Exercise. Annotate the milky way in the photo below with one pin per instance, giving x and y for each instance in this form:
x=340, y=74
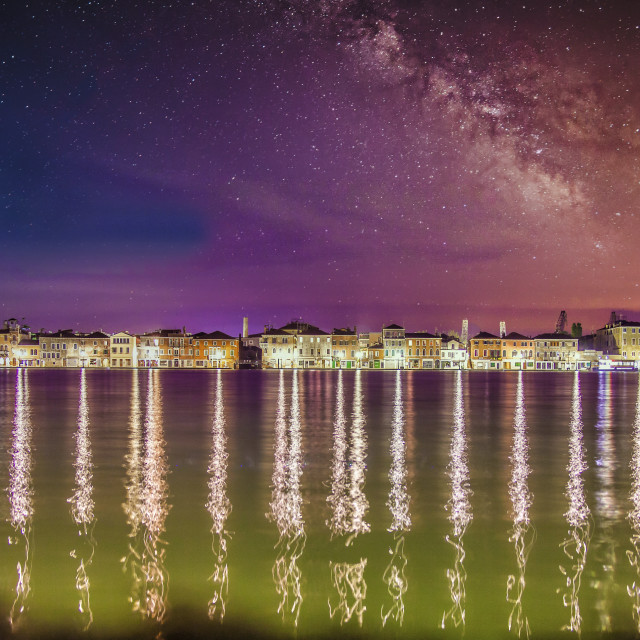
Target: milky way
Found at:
x=344, y=161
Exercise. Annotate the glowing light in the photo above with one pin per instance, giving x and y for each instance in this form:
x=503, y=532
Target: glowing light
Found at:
x=218, y=505
x=348, y=580
x=522, y=535
x=82, y=504
x=578, y=516
x=348, y=501
x=286, y=503
x=633, y=554
x=398, y=503
x=606, y=506
x=20, y=493
x=133, y=505
x=459, y=507
x=146, y=506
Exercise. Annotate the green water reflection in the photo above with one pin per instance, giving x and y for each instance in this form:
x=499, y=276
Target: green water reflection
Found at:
x=310, y=502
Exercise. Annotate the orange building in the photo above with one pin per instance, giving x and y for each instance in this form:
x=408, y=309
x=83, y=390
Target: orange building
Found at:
x=423, y=350
x=485, y=351
x=215, y=350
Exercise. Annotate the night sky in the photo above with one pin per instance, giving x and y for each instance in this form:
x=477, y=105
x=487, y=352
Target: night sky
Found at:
x=348, y=162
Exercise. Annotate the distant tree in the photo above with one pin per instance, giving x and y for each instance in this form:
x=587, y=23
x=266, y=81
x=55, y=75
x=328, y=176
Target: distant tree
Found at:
x=576, y=330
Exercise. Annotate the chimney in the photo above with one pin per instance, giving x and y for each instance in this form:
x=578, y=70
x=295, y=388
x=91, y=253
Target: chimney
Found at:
x=245, y=327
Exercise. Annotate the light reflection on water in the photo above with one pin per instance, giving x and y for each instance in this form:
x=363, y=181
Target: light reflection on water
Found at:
x=607, y=510
x=83, y=505
x=381, y=548
x=348, y=503
x=218, y=505
x=394, y=576
x=578, y=515
x=633, y=554
x=522, y=533
x=286, y=502
x=146, y=505
x=459, y=507
x=20, y=493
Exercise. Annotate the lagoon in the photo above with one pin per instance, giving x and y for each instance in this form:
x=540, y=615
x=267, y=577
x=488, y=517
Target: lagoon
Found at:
x=301, y=503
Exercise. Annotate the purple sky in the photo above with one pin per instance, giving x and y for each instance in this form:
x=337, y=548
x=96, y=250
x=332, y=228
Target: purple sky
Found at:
x=170, y=164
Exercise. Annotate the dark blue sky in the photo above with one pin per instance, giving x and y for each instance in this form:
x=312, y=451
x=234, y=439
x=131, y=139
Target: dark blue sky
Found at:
x=170, y=164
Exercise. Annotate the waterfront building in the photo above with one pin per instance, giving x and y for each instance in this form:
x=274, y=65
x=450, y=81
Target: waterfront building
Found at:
x=58, y=348
x=123, y=350
x=453, y=353
x=518, y=352
x=26, y=353
x=313, y=348
x=373, y=356
x=278, y=349
x=423, y=350
x=250, y=352
x=485, y=351
x=175, y=348
x=555, y=351
x=394, y=343
x=149, y=349
x=10, y=337
x=619, y=338
x=216, y=350
x=345, y=349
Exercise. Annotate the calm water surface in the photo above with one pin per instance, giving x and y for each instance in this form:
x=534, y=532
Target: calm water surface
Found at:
x=394, y=503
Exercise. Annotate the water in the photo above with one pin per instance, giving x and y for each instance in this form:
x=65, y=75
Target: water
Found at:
x=438, y=504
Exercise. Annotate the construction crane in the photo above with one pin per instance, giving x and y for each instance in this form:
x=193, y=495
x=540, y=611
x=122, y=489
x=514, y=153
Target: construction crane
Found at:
x=561, y=323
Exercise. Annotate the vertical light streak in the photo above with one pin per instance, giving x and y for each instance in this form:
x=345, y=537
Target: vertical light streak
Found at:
x=286, y=503
x=154, y=508
x=578, y=515
x=358, y=501
x=82, y=504
x=218, y=505
x=459, y=507
x=398, y=503
x=633, y=554
x=606, y=505
x=338, y=502
x=134, y=491
x=348, y=579
x=20, y=492
x=348, y=502
x=522, y=534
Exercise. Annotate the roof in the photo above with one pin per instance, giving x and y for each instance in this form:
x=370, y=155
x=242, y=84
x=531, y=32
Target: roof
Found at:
x=620, y=323
x=214, y=335
x=555, y=336
x=514, y=335
x=312, y=331
x=275, y=332
x=344, y=332
x=421, y=334
x=485, y=335
x=393, y=326
x=299, y=326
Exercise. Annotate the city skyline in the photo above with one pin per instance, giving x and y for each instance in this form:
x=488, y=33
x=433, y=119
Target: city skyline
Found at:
x=350, y=163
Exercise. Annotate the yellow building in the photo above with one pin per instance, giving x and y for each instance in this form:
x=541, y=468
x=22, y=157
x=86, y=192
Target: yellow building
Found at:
x=26, y=353
x=345, y=349
x=123, y=351
x=619, y=338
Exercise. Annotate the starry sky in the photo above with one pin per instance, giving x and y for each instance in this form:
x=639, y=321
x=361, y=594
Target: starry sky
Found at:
x=169, y=164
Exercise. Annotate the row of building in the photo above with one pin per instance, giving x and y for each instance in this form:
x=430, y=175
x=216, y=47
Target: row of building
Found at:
x=301, y=345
